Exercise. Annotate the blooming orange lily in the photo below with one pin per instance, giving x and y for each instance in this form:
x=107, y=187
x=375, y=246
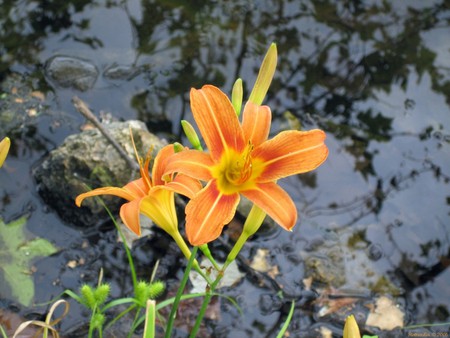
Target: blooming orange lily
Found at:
x=151, y=196
x=241, y=161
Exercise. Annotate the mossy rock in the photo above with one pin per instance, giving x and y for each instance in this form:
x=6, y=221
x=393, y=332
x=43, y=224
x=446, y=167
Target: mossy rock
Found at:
x=87, y=160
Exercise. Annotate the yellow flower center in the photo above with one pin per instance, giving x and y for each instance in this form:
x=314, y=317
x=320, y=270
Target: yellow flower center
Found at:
x=234, y=172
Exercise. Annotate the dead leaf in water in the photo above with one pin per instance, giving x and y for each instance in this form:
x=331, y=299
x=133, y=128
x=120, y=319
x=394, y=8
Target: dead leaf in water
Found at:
x=386, y=315
x=231, y=277
x=329, y=305
x=326, y=332
x=260, y=263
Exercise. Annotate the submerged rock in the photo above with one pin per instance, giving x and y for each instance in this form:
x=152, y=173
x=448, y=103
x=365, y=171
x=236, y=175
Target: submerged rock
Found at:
x=20, y=105
x=121, y=72
x=88, y=160
x=71, y=72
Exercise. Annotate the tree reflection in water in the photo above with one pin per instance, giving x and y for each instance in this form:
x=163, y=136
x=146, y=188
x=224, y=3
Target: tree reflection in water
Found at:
x=374, y=75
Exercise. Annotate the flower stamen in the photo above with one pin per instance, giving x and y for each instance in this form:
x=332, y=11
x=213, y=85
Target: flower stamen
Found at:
x=240, y=170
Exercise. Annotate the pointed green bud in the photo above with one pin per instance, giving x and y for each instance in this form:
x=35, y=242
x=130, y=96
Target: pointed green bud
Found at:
x=101, y=293
x=254, y=220
x=177, y=147
x=265, y=76
x=87, y=296
x=191, y=134
x=4, y=148
x=236, y=96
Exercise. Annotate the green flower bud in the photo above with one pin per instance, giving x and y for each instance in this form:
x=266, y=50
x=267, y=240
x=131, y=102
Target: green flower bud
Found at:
x=177, y=147
x=236, y=96
x=265, y=76
x=191, y=134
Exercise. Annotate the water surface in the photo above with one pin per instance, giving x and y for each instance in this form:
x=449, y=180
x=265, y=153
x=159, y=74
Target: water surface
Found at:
x=374, y=75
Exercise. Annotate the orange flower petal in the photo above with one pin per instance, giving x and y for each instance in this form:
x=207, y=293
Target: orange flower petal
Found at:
x=160, y=164
x=208, y=213
x=137, y=188
x=276, y=202
x=193, y=163
x=256, y=122
x=216, y=120
x=184, y=185
x=119, y=192
x=289, y=153
x=129, y=213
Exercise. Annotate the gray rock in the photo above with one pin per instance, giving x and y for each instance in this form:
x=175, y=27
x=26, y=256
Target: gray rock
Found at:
x=71, y=72
x=88, y=160
x=121, y=72
x=20, y=104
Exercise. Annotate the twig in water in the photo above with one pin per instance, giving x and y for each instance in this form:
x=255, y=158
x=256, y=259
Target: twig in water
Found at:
x=86, y=112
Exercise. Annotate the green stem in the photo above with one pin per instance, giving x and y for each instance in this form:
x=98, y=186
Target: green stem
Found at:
x=206, y=300
x=3, y=332
x=252, y=224
x=100, y=332
x=236, y=249
x=182, y=244
x=130, y=259
x=120, y=315
x=127, y=250
x=287, y=322
x=180, y=291
x=187, y=253
x=134, y=325
x=207, y=253
x=91, y=326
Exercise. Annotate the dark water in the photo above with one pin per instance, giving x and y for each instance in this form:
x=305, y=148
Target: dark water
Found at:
x=375, y=76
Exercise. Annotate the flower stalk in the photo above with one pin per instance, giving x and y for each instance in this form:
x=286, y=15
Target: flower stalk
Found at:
x=251, y=226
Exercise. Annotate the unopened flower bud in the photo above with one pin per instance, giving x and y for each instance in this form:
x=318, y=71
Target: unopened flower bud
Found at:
x=236, y=96
x=351, y=329
x=4, y=148
x=191, y=134
x=265, y=76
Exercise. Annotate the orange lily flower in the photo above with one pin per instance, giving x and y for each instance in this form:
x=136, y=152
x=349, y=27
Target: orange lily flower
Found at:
x=241, y=161
x=151, y=196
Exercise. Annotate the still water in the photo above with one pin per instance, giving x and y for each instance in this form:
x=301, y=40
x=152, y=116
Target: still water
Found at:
x=375, y=76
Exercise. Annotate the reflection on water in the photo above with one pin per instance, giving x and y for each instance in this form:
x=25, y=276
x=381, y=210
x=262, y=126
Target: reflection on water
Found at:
x=373, y=75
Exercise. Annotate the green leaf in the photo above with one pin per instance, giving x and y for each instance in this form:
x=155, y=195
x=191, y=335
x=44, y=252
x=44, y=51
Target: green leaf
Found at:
x=16, y=254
